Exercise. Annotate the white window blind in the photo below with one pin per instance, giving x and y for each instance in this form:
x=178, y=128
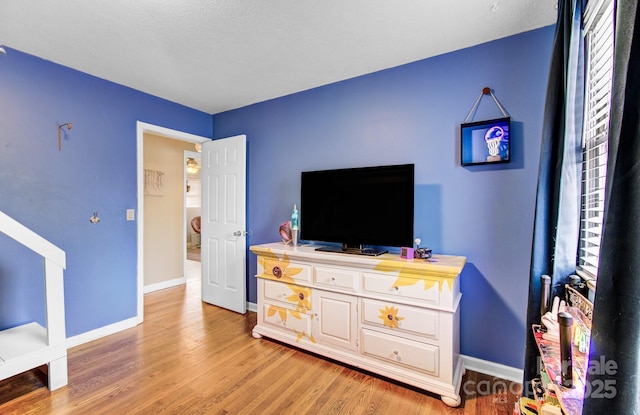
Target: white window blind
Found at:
x=599, y=36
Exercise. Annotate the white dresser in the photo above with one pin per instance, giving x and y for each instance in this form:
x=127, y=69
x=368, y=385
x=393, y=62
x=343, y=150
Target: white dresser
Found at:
x=399, y=318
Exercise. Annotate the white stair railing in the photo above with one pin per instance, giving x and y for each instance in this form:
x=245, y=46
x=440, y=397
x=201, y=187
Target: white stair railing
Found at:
x=30, y=346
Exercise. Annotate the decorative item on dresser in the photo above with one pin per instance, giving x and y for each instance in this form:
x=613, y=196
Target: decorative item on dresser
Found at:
x=395, y=317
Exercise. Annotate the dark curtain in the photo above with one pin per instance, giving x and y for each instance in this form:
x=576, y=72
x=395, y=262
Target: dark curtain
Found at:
x=615, y=335
x=557, y=215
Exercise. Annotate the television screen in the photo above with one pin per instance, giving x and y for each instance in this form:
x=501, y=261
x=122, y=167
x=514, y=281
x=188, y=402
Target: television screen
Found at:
x=358, y=207
x=486, y=142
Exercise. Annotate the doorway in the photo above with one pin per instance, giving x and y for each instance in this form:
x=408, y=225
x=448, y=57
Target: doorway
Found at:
x=143, y=129
x=193, y=207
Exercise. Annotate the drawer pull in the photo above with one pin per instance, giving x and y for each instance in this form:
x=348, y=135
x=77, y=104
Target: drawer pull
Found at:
x=277, y=272
x=397, y=355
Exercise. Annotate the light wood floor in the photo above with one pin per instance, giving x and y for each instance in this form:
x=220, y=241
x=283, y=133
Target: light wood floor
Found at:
x=189, y=357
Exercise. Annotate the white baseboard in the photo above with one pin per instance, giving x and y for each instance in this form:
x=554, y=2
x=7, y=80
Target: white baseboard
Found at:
x=101, y=332
x=492, y=369
x=119, y=326
x=164, y=284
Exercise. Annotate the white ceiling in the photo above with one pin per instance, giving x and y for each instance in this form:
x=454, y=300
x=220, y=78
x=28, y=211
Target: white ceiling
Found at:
x=216, y=55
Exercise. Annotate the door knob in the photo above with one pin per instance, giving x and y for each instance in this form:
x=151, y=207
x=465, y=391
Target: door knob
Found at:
x=240, y=233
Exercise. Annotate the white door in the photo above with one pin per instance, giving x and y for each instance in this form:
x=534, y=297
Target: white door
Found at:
x=223, y=228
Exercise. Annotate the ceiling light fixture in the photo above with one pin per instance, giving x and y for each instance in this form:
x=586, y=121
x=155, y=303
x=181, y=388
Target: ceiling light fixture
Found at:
x=192, y=166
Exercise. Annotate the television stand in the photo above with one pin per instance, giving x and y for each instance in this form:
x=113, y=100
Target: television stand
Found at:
x=398, y=318
x=355, y=250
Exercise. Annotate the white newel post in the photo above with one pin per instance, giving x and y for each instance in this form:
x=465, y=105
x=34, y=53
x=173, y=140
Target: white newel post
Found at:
x=56, y=332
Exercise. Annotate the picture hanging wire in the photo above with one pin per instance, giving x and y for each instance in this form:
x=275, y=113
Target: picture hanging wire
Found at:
x=485, y=91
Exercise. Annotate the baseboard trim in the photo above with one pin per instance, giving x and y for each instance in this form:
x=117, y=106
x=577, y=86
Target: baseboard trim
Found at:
x=164, y=284
x=492, y=369
x=120, y=326
x=101, y=332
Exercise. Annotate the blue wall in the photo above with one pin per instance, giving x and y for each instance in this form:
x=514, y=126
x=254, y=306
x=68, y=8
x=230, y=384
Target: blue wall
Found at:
x=408, y=114
x=55, y=192
x=412, y=114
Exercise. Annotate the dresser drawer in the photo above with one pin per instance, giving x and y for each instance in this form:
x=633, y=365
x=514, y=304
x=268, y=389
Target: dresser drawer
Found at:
x=285, y=270
x=427, y=290
x=294, y=295
x=401, y=318
x=335, y=277
x=285, y=318
x=400, y=351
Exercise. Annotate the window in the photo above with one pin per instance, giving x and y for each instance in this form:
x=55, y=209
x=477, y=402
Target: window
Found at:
x=599, y=36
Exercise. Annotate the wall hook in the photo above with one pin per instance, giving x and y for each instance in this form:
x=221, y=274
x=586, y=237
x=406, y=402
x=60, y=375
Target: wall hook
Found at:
x=68, y=125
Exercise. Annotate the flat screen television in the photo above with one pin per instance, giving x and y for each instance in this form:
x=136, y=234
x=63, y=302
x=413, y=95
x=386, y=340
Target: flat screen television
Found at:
x=364, y=209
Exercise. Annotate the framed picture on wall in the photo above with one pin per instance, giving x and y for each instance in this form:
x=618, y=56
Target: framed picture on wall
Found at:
x=486, y=142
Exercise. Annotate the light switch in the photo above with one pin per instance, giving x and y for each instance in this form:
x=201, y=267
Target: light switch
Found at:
x=131, y=214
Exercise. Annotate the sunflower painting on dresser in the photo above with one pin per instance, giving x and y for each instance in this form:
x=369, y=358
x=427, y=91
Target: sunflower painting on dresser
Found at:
x=409, y=274
x=301, y=297
x=277, y=269
x=390, y=317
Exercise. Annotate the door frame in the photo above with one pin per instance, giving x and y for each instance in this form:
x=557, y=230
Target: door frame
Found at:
x=141, y=129
x=186, y=225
